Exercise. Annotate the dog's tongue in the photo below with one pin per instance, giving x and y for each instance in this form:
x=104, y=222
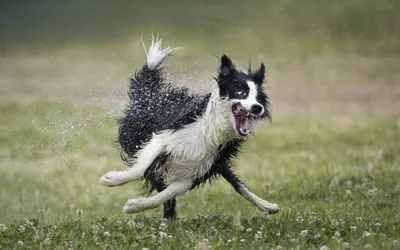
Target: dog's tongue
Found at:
x=245, y=124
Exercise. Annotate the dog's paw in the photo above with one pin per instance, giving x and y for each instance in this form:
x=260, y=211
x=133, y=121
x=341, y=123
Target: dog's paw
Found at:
x=273, y=208
x=134, y=206
x=113, y=178
x=270, y=208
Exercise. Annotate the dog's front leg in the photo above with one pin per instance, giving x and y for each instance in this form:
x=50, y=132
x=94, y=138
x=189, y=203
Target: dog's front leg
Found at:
x=241, y=188
x=173, y=190
x=145, y=158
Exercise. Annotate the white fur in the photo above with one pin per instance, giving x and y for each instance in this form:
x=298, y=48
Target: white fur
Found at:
x=251, y=98
x=194, y=148
x=141, y=204
x=144, y=159
x=156, y=55
x=263, y=205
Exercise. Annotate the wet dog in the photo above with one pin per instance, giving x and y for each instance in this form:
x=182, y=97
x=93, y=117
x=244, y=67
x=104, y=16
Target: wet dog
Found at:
x=176, y=140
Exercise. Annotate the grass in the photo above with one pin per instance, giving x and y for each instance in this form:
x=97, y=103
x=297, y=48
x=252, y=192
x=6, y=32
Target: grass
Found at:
x=335, y=178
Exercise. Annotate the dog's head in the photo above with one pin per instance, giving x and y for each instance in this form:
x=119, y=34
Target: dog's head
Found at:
x=245, y=95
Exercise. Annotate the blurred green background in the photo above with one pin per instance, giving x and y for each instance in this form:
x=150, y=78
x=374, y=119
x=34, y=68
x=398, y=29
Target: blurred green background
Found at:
x=294, y=27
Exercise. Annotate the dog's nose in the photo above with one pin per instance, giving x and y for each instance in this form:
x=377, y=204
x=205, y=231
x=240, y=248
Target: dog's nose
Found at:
x=256, y=109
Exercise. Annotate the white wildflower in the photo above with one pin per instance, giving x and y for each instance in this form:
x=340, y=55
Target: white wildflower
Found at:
x=20, y=243
x=372, y=192
x=131, y=223
x=242, y=240
x=228, y=241
x=370, y=168
x=299, y=219
x=79, y=212
x=359, y=219
x=314, y=218
x=348, y=192
x=258, y=235
x=334, y=222
x=324, y=248
x=345, y=245
x=334, y=182
x=353, y=228
x=368, y=246
x=366, y=234
x=21, y=229
x=3, y=228
x=163, y=234
x=205, y=240
x=303, y=233
x=47, y=241
x=377, y=224
x=279, y=247
x=337, y=234
x=107, y=234
x=248, y=230
x=145, y=248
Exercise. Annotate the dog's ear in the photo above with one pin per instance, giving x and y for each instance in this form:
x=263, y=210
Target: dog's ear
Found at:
x=259, y=75
x=226, y=67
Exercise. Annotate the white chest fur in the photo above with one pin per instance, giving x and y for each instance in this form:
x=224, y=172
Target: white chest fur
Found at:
x=194, y=148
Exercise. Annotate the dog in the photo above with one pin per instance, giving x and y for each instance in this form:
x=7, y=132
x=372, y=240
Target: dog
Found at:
x=176, y=140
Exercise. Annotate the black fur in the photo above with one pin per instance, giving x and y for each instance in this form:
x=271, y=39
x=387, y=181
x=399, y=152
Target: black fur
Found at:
x=155, y=106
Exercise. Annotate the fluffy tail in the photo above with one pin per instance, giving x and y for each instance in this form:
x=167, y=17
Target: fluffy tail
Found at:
x=146, y=81
x=156, y=55
x=150, y=76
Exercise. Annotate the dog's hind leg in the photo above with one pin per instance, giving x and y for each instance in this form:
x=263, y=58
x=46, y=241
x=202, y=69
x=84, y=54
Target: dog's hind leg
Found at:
x=145, y=158
x=239, y=186
x=169, y=206
x=169, y=209
x=167, y=195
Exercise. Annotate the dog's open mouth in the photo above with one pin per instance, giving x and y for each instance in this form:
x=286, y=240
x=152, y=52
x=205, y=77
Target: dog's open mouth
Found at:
x=243, y=118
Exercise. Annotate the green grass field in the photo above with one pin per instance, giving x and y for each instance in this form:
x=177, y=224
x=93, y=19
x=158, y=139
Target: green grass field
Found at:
x=330, y=159
x=335, y=178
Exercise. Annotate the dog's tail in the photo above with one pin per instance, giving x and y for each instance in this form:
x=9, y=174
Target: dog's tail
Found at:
x=150, y=76
x=156, y=55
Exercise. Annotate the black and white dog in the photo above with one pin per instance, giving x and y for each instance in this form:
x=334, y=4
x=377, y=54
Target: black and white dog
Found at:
x=177, y=141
